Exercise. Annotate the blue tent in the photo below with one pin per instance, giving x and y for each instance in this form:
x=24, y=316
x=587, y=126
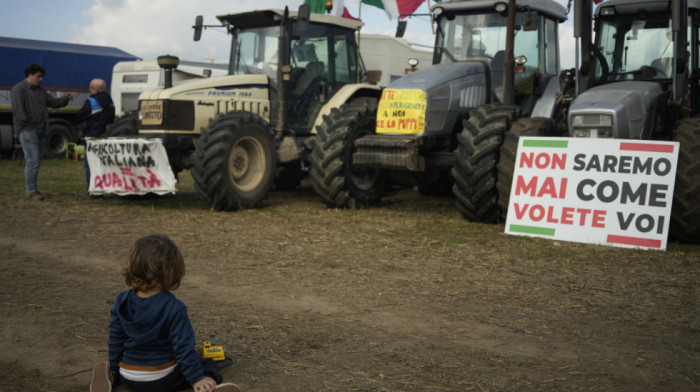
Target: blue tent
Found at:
x=68, y=66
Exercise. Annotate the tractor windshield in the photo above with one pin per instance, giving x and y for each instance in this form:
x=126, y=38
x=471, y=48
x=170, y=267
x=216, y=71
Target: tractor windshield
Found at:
x=634, y=48
x=482, y=36
x=255, y=52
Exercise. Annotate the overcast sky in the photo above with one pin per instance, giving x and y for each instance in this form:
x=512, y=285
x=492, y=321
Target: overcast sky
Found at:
x=150, y=28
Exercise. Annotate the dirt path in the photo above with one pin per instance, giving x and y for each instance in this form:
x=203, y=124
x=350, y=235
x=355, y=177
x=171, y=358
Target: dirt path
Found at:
x=402, y=298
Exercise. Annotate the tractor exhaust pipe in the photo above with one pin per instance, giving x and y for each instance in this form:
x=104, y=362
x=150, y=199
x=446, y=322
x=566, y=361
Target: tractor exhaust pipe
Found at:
x=168, y=63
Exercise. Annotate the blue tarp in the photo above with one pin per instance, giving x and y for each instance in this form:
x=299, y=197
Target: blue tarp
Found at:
x=68, y=66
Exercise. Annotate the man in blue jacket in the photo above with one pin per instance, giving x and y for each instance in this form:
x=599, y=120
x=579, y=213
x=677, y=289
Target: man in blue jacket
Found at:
x=96, y=113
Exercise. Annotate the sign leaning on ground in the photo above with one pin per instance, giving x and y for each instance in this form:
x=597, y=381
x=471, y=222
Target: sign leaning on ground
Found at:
x=129, y=167
x=604, y=191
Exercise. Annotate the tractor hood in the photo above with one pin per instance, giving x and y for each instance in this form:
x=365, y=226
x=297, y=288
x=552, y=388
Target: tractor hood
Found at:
x=630, y=106
x=210, y=87
x=438, y=74
x=444, y=91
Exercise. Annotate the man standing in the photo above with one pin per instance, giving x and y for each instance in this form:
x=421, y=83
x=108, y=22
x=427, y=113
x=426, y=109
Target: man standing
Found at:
x=96, y=113
x=31, y=121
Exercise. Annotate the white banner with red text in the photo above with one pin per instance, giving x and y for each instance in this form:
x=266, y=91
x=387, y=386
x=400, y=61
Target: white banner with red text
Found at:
x=128, y=166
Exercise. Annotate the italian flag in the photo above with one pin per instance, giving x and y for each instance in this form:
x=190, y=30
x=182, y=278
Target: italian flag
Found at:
x=396, y=8
x=393, y=8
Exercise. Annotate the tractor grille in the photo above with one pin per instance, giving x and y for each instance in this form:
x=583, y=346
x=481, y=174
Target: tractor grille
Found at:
x=472, y=96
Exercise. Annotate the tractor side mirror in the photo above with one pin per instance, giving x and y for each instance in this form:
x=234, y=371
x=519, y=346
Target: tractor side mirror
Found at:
x=303, y=18
x=530, y=21
x=198, y=22
x=401, y=28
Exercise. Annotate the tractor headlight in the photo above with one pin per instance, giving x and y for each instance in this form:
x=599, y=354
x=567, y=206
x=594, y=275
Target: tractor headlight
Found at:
x=592, y=125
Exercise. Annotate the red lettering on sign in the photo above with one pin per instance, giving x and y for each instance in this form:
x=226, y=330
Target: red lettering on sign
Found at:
x=551, y=214
x=548, y=188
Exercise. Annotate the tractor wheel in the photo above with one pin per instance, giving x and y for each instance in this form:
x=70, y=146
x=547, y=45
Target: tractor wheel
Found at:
x=234, y=162
x=57, y=139
x=335, y=180
x=685, y=213
x=476, y=157
x=125, y=125
x=534, y=126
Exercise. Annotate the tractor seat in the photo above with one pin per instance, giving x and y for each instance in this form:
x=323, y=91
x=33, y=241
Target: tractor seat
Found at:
x=313, y=70
x=665, y=65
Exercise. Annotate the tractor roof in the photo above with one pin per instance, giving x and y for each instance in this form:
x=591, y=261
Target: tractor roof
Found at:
x=547, y=7
x=272, y=17
x=636, y=6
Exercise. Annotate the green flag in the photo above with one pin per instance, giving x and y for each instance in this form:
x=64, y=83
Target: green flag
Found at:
x=317, y=6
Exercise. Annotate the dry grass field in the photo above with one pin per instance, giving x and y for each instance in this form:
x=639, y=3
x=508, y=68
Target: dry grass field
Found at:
x=406, y=297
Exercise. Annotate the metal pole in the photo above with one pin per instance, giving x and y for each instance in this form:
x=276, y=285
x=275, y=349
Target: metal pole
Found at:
x=509, y=66
x=432, y=21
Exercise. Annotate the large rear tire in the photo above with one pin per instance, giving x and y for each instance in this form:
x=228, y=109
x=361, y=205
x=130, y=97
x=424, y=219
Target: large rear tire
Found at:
x=125, y=125
x=477, y=154
x=685, y=213
x=335, y=180
x=234, y=162
x=532, y=126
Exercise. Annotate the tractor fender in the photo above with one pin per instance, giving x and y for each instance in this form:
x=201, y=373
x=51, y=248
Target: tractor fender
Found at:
x=343, y=95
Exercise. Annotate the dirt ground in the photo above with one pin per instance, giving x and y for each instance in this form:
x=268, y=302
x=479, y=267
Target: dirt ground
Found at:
x=407, y=297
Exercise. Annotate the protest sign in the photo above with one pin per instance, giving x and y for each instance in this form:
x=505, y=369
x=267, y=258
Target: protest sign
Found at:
x=126, y=166
x=401, y=111
x=604, y=191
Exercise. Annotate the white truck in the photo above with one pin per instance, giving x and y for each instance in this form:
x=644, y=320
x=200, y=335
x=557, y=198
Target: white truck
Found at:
x=131, y=78
x=391, y=55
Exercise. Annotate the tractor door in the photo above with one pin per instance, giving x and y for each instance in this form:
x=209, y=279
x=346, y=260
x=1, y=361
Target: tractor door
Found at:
x=323, y=59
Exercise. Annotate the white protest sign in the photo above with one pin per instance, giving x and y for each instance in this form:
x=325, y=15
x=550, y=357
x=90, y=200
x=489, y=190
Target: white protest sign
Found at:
x=604, y=191
x=129, y=166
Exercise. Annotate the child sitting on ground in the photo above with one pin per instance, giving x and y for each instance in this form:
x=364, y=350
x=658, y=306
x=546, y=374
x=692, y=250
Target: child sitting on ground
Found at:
x=151, y=340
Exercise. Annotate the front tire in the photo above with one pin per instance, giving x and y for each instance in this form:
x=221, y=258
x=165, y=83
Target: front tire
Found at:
x=477, y=154
x=124, y=125
x=234, y=163
x=685, y=213
x=532, y=126
x=335, y=180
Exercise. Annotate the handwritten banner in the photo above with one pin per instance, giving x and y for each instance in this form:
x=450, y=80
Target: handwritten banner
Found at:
x=401, y=111
x=604, y=191
x=129, y=166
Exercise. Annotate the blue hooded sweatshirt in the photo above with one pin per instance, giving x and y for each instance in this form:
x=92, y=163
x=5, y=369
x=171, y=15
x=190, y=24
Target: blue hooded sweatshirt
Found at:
x=153, y=331
x=95, y=114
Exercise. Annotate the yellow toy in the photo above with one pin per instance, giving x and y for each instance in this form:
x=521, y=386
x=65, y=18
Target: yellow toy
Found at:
x=211, y=350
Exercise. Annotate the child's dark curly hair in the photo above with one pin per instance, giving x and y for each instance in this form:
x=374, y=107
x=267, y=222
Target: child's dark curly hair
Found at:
x=154, y=262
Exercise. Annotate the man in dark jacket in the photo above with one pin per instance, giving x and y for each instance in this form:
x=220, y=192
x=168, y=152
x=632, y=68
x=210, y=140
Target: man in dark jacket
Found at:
x=96, y=113
x=31, y=122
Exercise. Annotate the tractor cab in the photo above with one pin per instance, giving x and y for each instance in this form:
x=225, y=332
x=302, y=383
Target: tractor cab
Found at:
x=639, y=80
x=312, y=57
x=473, y=31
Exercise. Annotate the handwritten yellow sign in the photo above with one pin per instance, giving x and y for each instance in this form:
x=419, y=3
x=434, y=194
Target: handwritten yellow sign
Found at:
x=401, y=111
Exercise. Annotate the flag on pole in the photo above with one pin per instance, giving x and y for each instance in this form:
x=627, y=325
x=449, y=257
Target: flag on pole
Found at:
x=396, y=8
